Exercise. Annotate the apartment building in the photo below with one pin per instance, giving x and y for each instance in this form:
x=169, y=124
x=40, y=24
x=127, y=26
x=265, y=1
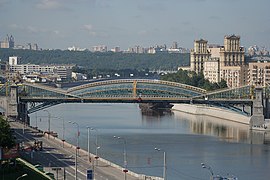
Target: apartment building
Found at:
x=63, y=72
x=199, y=55
x=259, y=73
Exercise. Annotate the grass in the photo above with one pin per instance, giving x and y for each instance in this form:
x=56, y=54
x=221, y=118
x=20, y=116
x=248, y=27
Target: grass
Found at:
x=10, y=171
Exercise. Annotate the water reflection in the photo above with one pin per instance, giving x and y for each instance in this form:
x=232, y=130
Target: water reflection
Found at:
x=226, y=130
x=188, y=140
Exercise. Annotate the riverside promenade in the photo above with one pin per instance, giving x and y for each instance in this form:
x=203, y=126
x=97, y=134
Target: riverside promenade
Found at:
x=59, y=158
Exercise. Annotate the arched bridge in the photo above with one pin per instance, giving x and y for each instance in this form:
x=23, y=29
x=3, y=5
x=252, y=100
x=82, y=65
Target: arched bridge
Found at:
x=112, y=91
x=36, y=96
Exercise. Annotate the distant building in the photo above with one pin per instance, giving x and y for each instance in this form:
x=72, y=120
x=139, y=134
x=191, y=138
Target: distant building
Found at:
x=174, y=45
x=100, y=48
x=14, y=60
x=78, y=76
x=62, y=72
x=255, y=51
x=8, y=42
x=73, y=48
x=116, y=49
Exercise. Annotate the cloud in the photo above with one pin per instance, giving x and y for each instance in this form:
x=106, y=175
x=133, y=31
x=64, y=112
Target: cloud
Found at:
x=33, y=30
x=215, y=17
x=49, y=4
x=143, y=32
x=93, y=32
x=89, y=29
x=3, y=3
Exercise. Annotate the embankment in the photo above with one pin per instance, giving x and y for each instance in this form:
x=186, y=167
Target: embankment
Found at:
x=212, y=111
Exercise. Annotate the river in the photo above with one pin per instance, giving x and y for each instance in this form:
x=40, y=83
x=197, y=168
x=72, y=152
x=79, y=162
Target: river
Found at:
x=188, y=140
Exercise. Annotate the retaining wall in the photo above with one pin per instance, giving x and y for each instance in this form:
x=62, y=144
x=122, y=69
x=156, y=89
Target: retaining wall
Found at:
x=212, y=111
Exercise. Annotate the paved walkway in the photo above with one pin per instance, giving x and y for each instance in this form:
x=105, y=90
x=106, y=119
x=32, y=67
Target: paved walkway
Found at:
x=60, y=160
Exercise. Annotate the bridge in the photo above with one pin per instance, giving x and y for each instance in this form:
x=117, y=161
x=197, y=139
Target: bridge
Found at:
x=23, y=99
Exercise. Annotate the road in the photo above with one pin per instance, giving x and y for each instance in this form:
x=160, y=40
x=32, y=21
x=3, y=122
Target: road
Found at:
x=55, y=156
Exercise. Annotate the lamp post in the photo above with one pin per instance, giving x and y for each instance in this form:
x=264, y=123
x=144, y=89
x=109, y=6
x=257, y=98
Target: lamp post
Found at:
x=97, y=147
x=63, y=130
x=77, y=148
x=88, y=142
x=22, y=176
x=124, y=154
x=164, y=162
x=36, y=120
x=49, y=122
x=205, y=166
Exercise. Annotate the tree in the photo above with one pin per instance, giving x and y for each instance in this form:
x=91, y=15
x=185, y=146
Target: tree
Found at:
x=193, y=79
x=6, y=138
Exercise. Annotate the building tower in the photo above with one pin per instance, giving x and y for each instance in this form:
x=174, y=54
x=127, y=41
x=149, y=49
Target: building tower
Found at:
x=232, y=54
x=199, y=55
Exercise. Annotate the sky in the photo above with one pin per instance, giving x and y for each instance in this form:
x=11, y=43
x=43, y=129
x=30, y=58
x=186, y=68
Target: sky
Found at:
x=59, y=24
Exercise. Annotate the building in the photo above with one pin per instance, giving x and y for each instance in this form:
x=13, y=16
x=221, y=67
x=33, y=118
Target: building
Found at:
x=235, y=76
x=232, y=54
x=212, y=70
x=64, y=72
x=116, y=49
x=8, y=42
x=220, y=62
x=259, y=73
x=100, y=48
x=14, y=60
x=199, y=55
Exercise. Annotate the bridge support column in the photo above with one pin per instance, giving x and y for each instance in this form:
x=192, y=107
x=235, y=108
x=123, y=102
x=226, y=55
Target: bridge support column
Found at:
x=257, y=118
x=12, y=102
x=23, y=113
x=266, y=108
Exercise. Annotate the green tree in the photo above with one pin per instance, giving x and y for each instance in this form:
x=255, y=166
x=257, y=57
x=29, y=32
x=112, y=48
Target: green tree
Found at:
x=193, y=79
x=6, y=138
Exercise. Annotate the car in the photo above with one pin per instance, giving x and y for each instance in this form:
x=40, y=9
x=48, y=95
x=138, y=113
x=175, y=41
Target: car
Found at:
x=51, y=175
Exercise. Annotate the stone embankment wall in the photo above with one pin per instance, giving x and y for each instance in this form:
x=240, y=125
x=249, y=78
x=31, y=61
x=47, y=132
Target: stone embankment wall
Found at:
x=212, y=111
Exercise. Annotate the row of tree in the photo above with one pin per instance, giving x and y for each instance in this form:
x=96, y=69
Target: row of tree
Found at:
x=97, y=60
x=193, y=79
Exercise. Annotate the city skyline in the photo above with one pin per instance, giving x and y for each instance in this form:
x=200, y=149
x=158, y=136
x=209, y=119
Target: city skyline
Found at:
x=59, y=24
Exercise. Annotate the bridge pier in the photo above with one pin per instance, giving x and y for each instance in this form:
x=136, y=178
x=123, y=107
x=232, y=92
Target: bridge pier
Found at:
x=266, y=107
x=23, y=113
x=257, y=118
x=12, y=102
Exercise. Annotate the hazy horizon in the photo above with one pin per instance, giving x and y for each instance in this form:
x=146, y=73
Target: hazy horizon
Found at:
x=59, y=24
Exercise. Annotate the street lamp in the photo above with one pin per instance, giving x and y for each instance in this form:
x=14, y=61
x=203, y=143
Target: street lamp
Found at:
x=88, y=141
x=97, y=147
x=205, y=166
x=124, y=154
x=49, y=122
x=22, y=176
x=63, y=130
x=77, y=148
x=164, y=162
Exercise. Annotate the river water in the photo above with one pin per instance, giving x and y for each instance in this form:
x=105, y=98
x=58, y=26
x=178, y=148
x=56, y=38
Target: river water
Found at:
x=188, y=140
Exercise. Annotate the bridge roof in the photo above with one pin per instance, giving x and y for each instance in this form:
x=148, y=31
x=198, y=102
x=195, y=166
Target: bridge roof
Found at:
x=136, y=87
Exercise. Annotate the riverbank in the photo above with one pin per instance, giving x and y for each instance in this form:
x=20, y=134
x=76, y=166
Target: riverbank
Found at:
x=212, y=112
x=84, y=154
